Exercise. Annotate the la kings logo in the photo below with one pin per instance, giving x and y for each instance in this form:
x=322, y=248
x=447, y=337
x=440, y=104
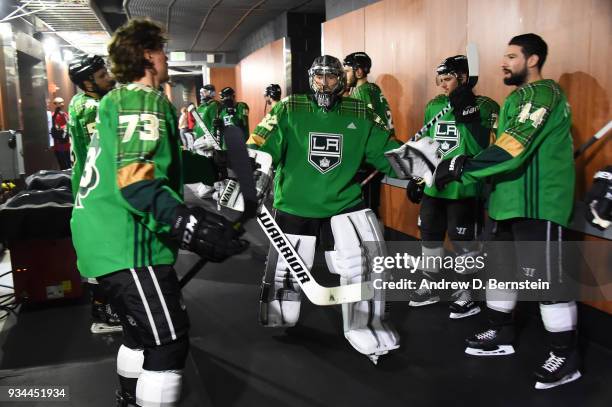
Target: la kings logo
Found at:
x=448, y=135
x=325, y=151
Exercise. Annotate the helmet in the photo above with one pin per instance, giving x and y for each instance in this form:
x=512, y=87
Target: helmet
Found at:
x=82, y=68
x=358, y=60
x=227, y=93
x=274, y=91
x=327, y=65
x=453, y=66
x=207, y=92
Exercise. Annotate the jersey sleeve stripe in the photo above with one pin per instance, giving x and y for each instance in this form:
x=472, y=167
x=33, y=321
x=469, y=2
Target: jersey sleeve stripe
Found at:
x=135, y=172
x=509, y=144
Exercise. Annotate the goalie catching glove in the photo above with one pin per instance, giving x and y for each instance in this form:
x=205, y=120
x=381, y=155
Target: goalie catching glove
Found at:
x=207, y=234
x=415, y=159
x=599, y=199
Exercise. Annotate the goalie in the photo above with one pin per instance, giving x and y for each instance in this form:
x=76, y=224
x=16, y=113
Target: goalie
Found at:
x=317, y=144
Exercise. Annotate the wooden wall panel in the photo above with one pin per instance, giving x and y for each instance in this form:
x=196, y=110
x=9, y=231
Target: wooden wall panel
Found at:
x=255, y=72
x=222, y=77
x=346, y=34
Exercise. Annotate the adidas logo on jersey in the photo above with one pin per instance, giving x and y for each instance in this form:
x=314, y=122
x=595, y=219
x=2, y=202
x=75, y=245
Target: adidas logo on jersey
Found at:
x=351, y=126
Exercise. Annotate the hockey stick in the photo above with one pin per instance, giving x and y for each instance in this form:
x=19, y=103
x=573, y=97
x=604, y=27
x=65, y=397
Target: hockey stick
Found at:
x=315, y=292
x=216, y=144
x=240, y=164
x=598, y=136
x=473, y=68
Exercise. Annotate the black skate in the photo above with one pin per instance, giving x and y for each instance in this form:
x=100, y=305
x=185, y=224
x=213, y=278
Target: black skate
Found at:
x=104, y=319
x=424, y=296
x=558, y=369
x=125, y=399
x=464, y=306
x=492, y=342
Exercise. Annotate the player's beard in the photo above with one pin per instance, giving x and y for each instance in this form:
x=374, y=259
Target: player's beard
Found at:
x=516, y=78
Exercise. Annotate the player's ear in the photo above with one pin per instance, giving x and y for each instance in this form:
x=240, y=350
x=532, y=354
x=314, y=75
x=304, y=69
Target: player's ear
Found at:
x=532, y=61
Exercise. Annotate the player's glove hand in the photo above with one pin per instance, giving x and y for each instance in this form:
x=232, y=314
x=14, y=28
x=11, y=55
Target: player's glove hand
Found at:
x=449, y=170
x=463, y=102
x=414, y=190
x=218, y=123
x=208, y=234
x=599, y=199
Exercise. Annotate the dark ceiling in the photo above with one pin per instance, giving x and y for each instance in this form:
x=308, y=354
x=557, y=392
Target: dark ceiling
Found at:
x=205, y=25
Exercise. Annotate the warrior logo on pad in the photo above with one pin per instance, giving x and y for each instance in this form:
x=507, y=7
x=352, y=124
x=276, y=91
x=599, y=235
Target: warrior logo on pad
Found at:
x=325, y=151
x=447, y=134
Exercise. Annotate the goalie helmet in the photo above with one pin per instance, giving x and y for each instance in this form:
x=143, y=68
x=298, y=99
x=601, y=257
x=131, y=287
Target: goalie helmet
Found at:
x=322, y=68
x=82, y=68
x=273, y=91
x=359, y=60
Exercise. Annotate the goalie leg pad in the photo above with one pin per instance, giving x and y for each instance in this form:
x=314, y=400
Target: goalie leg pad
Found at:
x=281, y=294
x=357, y=238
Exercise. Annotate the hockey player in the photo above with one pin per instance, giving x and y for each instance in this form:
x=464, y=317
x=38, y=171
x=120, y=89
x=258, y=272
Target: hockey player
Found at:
x=216, y=115
x=89, y=73
x=357, y=67
x=456, y=208
x=129, y=217
x=532, y=173
x=317, y=143
x=272, y=95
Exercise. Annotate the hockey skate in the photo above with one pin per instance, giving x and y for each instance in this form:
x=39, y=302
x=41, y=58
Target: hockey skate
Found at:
x=125, y=399
x=423, y=295
x=105, y=320
x=494, y=341
x=560, y=368
x=464, y=306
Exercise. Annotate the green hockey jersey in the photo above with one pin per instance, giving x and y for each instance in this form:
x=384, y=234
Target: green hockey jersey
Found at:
x=373, y=97
x=317, y=153
x=131, y=185
x=459, y=138
x=531, y=164
x=82, y=111
x=238, y=116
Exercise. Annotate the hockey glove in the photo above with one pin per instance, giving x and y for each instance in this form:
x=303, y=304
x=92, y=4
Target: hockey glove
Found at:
x=463, y=102
x=414, y=190
x=218, y=123
x=599, y=199
x=449, y=170
x=209, y=235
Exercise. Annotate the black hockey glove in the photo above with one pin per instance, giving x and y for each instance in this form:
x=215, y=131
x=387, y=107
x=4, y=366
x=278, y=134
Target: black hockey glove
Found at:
x=599, y=199
x=463, y=102
x=449, y=170
x=209, y=235
x=217, y=123
x=414, y=190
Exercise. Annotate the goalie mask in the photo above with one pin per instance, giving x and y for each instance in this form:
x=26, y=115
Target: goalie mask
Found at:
x=456, y=66
x=327, y=80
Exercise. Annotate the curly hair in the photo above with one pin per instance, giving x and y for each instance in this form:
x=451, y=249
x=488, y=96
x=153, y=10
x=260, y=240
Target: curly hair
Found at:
x=126, y=48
